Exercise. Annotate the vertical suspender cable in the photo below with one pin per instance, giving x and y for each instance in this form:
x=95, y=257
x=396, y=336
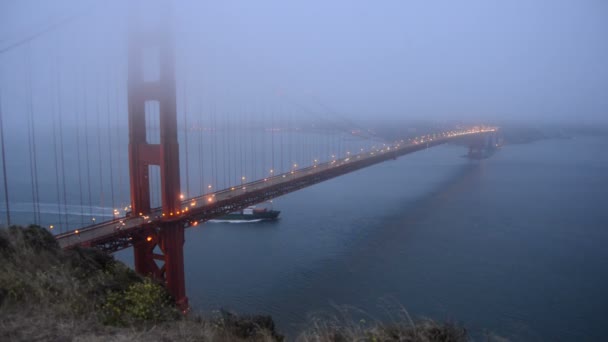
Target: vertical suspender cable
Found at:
x=242, y=142
x=228, y=144
x=4, y=175
x=55, y=155
x=98, y=133
x=31, y=142
x=212, y=147
x=119, y=143
x=110, y=143
x=291, y=131
x=31, y=164
x=225, y=152
x=214, y=165
x=282, y=131
x=272, y=130
x=31, y=103
x=61, y=154
x=201, y=168
x=87, y=152
x=157, y=182
x=76, y=111
x=251, y=156
x=220, y=142
x=149, y=119
x=186, y=140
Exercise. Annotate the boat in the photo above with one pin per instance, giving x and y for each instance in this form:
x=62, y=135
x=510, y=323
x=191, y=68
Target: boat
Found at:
x=250, y=214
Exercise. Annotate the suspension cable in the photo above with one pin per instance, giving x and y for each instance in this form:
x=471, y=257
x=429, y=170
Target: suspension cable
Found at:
x=4, y=175
x=200, y=149
x=226, y=143
x=186, y=140
x=78, y=152
x=118, y=142
x=55, y=154
x=87, y=150
x=214, y=148
x=98, y=133
x=272, y=130
x=31, y=140
x=61, y=154
x=110, y=143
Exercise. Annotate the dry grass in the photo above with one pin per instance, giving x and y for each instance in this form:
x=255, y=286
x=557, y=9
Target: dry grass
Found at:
x=34, y=325
x=351, y=324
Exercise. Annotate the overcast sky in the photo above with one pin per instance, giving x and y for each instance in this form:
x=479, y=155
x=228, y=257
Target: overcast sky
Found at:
x=476, y=59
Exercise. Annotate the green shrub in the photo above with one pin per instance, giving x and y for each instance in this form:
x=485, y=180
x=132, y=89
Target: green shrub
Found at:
x=140, y=303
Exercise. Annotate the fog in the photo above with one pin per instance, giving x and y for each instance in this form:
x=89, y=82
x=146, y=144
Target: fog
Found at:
x=443, y=157
x=542, y=61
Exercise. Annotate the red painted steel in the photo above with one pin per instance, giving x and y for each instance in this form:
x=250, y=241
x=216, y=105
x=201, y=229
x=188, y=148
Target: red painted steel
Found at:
x=167, y=236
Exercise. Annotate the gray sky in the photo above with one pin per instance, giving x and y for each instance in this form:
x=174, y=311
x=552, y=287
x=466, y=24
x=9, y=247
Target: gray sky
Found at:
x=477, y=59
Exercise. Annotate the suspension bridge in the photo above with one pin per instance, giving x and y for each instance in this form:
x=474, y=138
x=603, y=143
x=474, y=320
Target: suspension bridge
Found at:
x=183, y=163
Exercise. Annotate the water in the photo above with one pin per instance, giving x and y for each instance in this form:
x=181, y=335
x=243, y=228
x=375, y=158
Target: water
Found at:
x=513, y=244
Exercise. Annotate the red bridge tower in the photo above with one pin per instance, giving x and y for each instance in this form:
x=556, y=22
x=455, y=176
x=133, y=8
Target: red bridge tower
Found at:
x=151, y=87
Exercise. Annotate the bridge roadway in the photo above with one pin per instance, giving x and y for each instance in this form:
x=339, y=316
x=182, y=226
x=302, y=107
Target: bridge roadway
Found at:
x=121, y=233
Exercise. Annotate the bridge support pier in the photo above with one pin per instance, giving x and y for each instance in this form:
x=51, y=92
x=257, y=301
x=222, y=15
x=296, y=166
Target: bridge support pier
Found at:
x=172, y=244
x=482, y=146
x=161, y=256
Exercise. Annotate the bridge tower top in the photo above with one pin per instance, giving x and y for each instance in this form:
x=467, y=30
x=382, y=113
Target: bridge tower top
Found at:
x=151, y=88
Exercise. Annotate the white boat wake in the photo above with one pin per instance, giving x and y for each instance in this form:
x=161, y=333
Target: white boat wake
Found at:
x=235, y=221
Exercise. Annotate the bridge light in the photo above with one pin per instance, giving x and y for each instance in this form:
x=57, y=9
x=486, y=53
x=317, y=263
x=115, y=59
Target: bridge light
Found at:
x=210, y=199
x=170, y=214
x=181, y=196
x=51, y=227
x=163, y=214
x=76, y=231
x=195, y=223
x=192, y=204
x=93, y=219
x=271, y=171
x=149, y=238
x=209, y=186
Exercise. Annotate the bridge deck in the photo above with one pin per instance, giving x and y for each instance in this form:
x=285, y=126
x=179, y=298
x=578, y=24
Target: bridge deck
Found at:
x=123, y=232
